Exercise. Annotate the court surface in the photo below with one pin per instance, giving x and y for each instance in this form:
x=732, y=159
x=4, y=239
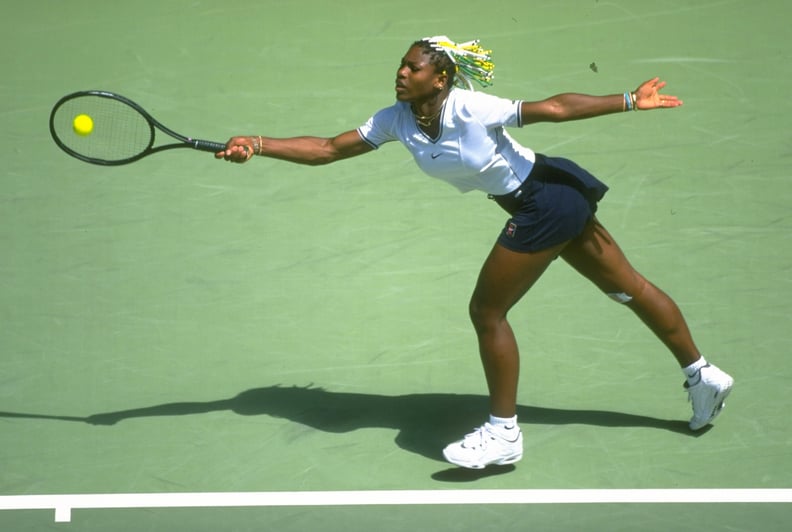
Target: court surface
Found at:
x=196, y=335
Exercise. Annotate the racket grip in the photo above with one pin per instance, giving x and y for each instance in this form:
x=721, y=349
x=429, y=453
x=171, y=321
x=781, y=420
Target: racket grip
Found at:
x=207, y=145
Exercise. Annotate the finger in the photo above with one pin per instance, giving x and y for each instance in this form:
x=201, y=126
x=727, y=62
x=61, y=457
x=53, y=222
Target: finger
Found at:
x=238, y=154
x=650, y=82
x=669, y=101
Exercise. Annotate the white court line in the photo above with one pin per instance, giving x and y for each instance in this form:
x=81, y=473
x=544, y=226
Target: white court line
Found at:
x=64, y=504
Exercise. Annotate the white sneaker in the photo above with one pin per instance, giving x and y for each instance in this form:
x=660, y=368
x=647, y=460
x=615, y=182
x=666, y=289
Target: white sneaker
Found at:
x=485, y=446
x=708, y=395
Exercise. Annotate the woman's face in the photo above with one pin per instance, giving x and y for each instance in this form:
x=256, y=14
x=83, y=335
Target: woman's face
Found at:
x=416, y=78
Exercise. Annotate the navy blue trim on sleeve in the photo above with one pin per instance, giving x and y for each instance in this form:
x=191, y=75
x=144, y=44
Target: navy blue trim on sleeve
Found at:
x=367, y=141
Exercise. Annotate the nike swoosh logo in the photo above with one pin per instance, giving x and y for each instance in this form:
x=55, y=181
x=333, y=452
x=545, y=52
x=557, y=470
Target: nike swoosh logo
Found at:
x=436, y=155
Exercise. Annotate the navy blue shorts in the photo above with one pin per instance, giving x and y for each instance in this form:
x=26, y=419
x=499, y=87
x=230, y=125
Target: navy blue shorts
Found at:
x=552, y=206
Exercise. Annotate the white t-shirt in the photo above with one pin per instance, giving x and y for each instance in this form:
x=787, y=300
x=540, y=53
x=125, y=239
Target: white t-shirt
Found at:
x=473, y=150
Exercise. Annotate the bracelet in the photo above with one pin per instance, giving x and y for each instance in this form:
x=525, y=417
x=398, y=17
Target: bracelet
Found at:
x=634, y=98
x=628, y=102
x=257, y=145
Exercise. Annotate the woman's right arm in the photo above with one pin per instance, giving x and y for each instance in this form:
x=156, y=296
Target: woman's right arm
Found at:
x=303, y=150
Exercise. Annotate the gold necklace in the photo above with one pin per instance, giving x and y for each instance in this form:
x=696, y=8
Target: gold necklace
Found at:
x=426, y=121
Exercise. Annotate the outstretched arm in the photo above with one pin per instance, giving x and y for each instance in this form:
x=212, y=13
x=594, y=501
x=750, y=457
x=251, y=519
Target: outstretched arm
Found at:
x=302, y=150
x=571, y=106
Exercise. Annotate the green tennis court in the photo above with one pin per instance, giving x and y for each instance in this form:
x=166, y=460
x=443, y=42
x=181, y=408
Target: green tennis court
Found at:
x=179, y=328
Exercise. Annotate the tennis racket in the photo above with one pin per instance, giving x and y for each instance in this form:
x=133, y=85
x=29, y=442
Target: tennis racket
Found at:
x=119, y=131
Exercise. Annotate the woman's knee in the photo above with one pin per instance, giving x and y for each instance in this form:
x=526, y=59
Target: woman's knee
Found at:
x=484, y=316
x=628, y=290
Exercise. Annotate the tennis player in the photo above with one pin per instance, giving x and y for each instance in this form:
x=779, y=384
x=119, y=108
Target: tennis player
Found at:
x=459, y=136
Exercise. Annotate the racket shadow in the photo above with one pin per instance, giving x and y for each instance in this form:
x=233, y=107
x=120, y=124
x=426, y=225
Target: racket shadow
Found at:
x=425, y=422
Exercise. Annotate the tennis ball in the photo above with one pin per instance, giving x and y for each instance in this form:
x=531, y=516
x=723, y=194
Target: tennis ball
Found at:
x=83, y=125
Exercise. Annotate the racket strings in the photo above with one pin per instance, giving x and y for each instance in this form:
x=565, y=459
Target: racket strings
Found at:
x=119, y=132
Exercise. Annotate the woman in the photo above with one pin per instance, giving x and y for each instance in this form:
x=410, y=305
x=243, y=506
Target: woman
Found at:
x=458, y=135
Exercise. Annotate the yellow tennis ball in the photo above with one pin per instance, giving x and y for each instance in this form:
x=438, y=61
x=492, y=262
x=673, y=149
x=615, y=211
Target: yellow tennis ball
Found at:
x=83, y=125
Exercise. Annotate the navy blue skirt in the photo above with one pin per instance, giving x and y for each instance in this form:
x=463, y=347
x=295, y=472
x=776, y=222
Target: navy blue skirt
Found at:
x=552, y=206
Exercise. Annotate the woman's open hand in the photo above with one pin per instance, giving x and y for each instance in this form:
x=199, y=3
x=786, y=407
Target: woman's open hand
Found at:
x=648, y=96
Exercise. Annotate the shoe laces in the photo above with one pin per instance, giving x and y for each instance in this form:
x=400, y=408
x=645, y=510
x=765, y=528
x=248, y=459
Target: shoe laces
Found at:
x=479, y=437
x=689, y=387
x=690, y=393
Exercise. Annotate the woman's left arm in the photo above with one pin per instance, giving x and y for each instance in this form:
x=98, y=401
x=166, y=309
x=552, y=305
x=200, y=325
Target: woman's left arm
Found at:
x=572, y=106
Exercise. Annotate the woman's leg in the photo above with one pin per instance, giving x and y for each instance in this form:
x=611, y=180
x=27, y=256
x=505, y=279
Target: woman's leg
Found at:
x=505, y=277
x=596, y=256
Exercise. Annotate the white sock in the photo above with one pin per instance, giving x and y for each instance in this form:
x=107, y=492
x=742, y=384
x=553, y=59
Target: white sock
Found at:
x=692, y=370
x=504, y=423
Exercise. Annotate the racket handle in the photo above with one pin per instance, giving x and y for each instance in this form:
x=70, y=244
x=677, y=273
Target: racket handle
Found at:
x=207, y=145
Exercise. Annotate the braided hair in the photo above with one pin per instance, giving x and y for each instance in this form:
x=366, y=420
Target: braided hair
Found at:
x=441, y=60
x=463, y=63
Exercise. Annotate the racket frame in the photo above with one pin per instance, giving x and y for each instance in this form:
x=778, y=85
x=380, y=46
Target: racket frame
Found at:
x=184, y=142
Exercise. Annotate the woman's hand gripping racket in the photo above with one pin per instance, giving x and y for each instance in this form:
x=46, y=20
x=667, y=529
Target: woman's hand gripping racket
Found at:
x=104, y=128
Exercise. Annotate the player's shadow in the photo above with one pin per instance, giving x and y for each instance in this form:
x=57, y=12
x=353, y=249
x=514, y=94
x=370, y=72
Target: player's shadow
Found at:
x=425, y=422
